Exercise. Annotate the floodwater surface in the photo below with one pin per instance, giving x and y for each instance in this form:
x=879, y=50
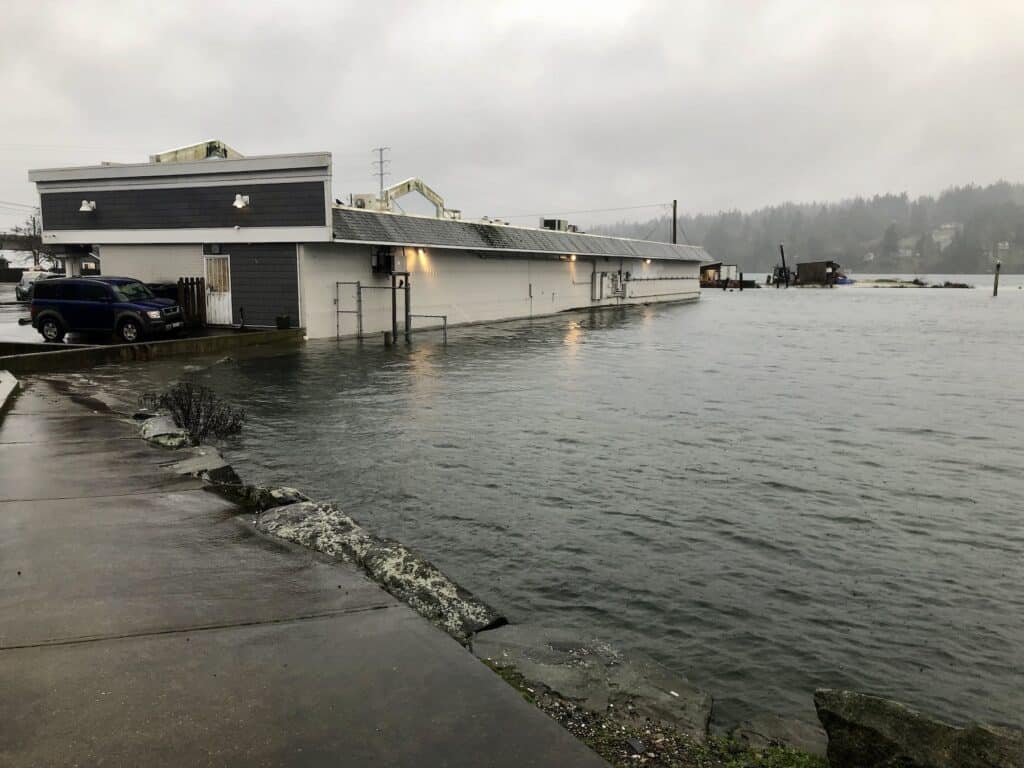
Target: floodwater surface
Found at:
x=769, y=491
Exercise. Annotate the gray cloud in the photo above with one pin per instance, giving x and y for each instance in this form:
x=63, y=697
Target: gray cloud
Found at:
x=519, y=107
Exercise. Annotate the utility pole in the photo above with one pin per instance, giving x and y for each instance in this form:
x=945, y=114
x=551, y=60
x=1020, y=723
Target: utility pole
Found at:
x=381, y=167
x=675, y=220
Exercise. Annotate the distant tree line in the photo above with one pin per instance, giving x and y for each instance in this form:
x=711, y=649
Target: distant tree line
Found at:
x=963, y=230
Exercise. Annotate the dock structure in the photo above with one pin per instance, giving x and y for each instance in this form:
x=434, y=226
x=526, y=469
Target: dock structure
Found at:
x=715, y=274
x=147, y=623
x=272, y=243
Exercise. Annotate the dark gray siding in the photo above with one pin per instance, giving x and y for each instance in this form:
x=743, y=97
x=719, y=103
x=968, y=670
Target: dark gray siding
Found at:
x=299, y=204
x=264, y=282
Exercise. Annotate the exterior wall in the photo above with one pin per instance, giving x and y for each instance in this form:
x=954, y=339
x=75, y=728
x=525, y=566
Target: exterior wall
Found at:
x=471, y=289
x=264, y=277
x=265, y=282
x=299, y=204
x=152, y=263
x=189, y=202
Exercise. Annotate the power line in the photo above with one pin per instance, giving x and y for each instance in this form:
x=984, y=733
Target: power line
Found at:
x=8, y=204
x=76, y=147
x=590, y=210
x=381, y=164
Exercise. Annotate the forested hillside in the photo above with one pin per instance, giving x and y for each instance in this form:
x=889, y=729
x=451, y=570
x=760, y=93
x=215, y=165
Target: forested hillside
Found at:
x=963, y=230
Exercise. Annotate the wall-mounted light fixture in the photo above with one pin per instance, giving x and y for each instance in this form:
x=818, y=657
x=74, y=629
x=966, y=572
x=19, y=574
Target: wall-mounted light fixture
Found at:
x=572, y=257
x=241, y=201
x=88, y=206
x=647, y=261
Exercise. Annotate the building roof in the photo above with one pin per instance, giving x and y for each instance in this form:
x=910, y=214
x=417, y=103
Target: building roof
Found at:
x=314, y=161
x=353, y=225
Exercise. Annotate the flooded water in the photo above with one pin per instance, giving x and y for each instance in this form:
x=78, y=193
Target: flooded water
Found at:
x=769, y=491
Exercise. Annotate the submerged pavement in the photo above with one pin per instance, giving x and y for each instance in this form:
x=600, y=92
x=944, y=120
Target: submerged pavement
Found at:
x=143, y=621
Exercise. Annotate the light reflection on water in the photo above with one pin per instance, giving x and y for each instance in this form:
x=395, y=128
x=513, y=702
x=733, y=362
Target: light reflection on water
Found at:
x=770, y=491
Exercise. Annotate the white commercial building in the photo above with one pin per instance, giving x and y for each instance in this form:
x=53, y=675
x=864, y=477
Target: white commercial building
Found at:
x=270, y=242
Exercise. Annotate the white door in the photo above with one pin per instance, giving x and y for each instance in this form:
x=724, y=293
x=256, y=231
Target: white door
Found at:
x=218, y=290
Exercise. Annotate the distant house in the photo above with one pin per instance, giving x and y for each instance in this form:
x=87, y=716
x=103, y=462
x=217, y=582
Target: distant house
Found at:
x=943, y=235
x=713, y=273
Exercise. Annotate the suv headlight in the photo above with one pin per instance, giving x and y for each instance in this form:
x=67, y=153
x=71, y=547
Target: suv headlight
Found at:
x=153, y=314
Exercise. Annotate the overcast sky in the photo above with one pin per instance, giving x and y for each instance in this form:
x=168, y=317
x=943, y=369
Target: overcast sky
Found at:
x=522, y=107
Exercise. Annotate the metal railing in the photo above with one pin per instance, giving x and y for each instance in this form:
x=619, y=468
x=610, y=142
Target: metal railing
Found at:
x=358, y=311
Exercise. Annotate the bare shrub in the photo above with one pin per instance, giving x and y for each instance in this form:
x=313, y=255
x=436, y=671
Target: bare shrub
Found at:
x=198, y=410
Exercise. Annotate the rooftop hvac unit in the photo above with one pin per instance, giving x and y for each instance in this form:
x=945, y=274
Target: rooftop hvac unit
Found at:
x=366, y=202
x=559, y=225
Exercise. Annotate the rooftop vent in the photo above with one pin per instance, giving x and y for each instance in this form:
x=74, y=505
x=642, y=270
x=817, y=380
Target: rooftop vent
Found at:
x=558, y=225
x=204, y=150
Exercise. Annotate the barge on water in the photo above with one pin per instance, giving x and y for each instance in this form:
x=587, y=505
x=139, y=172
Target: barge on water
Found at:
x=274, y=248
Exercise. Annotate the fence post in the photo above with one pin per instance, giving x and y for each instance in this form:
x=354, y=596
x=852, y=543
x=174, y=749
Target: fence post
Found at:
x=201, y=294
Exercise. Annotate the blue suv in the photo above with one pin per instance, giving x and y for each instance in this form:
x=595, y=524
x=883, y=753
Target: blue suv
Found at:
x=119, y=304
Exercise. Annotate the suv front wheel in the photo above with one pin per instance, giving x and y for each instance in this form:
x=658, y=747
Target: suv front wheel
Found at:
x=129, y=331
x=51, y=329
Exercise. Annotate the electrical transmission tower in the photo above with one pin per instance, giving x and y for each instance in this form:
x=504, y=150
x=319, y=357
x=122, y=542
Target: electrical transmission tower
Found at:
x=381, y=167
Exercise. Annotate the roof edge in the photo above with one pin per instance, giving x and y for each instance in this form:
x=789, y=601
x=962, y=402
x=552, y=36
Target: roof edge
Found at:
x=252, y=164
x=493, y=249
x=510, y=226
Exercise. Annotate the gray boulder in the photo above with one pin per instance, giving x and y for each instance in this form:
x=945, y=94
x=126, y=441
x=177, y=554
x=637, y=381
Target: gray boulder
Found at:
x=207, y=464
x=404, y=574
x=598, y=677
x=162, y=431
x=257, y=498
x=871, y=732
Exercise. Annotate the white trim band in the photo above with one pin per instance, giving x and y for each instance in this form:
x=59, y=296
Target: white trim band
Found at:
x=206, y=235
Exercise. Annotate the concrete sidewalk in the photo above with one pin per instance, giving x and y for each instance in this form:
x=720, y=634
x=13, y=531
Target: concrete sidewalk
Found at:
x=144, y=622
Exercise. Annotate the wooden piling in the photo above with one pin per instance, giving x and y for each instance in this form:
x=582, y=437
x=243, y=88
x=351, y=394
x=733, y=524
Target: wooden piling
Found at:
x=995, y=281
x=741, y=282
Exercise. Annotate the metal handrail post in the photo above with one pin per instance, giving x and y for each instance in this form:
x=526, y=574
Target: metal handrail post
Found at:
x=359, y=310
x=408, y=308
x=394, y=306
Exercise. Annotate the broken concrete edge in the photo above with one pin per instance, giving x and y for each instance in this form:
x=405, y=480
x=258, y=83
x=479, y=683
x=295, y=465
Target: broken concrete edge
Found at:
x=623, y=739
x=866, y=731
x=8, y=388
x=600, y=677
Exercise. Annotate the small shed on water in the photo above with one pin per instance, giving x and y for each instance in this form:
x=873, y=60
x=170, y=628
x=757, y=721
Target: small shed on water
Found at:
x=817, y=273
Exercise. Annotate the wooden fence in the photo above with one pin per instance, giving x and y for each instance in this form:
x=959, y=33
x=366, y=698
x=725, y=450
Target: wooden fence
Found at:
x=192, y=300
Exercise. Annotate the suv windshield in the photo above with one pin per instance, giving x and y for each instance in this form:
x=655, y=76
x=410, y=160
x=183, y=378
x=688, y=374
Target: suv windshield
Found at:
x=132, y=292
